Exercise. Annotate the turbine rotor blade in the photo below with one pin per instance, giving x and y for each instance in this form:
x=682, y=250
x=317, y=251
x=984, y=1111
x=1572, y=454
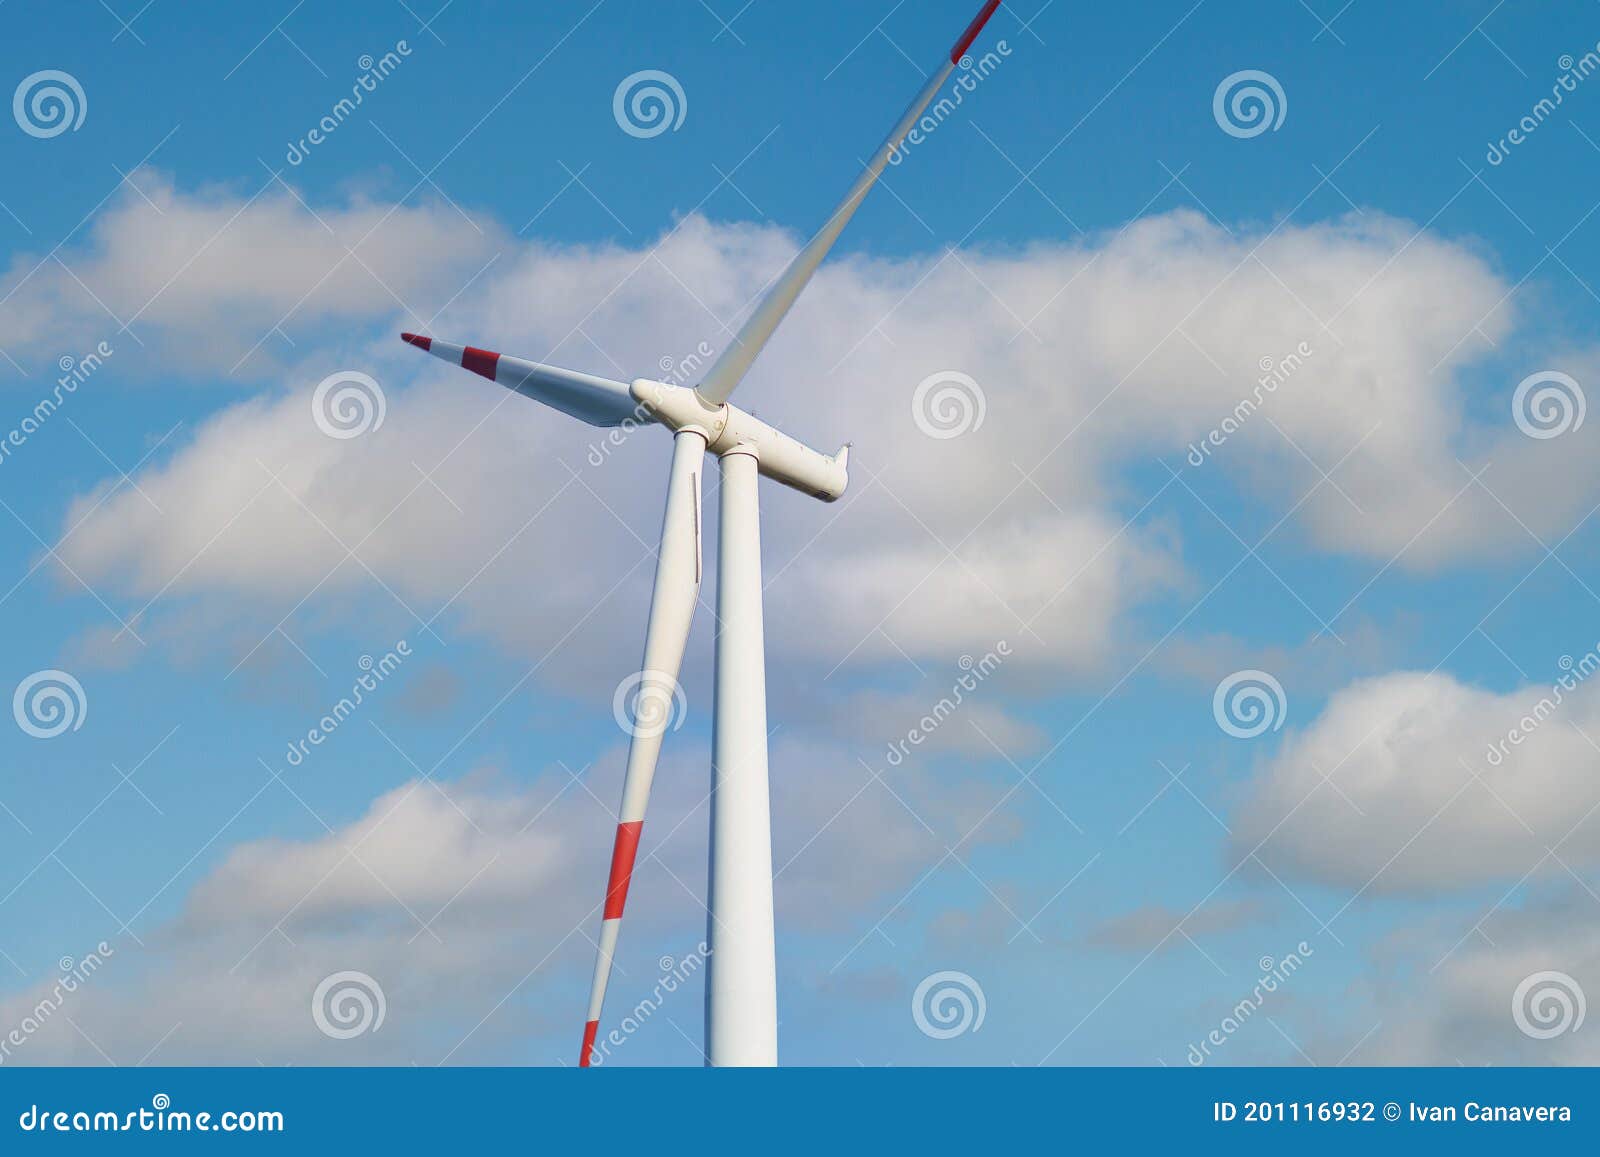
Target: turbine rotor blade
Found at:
x=733, y=363
x=677, y=589
x=597, y=401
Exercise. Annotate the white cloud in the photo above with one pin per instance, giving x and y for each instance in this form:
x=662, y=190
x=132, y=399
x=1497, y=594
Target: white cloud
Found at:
x=231, y=979
x=1135, y=345
x=1317, y=664
x=1407, y=781
x=472, y=904
x=1444, y=993
x=468, y=499
x=201, y=278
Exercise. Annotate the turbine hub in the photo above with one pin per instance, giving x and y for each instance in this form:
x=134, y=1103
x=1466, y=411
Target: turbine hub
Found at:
x=730, y=430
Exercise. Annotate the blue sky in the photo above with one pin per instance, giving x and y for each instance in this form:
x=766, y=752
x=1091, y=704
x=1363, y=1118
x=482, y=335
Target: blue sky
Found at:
x=1108, y=266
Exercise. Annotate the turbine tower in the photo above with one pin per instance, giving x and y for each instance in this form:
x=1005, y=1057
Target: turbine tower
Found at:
x=741, y=980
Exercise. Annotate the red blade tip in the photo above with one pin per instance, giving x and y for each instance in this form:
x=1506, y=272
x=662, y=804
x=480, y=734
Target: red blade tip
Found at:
x=417, y=340
x=972, y=31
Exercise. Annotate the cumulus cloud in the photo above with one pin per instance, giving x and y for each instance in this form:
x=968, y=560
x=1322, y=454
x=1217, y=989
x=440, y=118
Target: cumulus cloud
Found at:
x=1502, y=987
x=471, y=904
x=213, y=281
x=1417, y=781
x=473, y=507
x=1089, y=358
x=415, y=894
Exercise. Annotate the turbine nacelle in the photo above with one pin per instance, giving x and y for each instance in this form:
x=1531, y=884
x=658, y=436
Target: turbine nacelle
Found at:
x=730, y=430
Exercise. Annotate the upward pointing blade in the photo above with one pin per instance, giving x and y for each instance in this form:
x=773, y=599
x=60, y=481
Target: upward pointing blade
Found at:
x=735, y=361
x=671, y=611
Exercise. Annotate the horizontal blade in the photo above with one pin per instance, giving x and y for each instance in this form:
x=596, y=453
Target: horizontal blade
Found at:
x=735, y=361
x=597, y=401
x=655, y=707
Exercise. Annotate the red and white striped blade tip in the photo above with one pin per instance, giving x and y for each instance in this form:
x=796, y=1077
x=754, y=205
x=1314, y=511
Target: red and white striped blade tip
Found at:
x=971, y=34
x=484, y=363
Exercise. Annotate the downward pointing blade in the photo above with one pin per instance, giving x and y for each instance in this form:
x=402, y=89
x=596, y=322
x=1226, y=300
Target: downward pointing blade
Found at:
x=672, y=606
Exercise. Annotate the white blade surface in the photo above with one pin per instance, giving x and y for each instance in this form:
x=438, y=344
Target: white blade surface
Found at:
x=597, y=401
x=735, y=361
x=655, y=702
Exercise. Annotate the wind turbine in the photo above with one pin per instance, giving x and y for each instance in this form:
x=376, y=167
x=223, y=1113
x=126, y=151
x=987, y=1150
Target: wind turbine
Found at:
x=741, y=980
